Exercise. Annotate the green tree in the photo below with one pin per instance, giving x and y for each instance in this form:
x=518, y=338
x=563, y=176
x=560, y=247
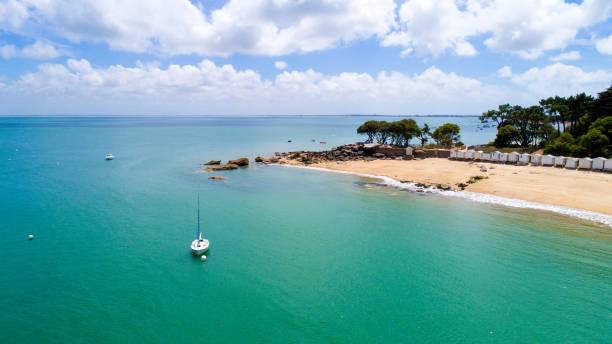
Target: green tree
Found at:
x=595, y=143
x=527, y=121
x=560, y=113
x=498, y=116
x=563, y=145
x=411, y=129
x=368, y=128
x=383, y=132
x=506, y=136
x=603, y=124
x=396, y=132
x=447, y=134
x=579, y=106
x=423, y=134
x=602, y=106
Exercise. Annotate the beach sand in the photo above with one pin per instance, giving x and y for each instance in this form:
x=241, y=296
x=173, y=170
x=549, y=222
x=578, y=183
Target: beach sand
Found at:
x=576, y=189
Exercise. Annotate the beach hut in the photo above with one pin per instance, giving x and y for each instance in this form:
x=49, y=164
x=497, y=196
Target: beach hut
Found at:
x=598, y=163
x=548, y=160
x=608, y=165
x=536, y=159
x=453, y=155
x=559, y=161
x=469, y=155
x=486, y=156
x=460, y=155
x=585, y=163
x=524, y=159
x=571, y=163
x=478, y=155
x=495, y=156
x=513, y=157
x=503, y=158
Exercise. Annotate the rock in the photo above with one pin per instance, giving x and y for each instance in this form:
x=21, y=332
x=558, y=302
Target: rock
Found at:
x=274, y=160
x=483, y=168
x=418, y=153
x=223, y=167
x=462, y=185
x=443, y=187
x=258, y=159
x=239, y=162
x=217, y=178
x=213, y=162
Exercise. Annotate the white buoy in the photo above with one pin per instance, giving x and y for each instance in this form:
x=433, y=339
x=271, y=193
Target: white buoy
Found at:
x=203, y=258
x=30, y=237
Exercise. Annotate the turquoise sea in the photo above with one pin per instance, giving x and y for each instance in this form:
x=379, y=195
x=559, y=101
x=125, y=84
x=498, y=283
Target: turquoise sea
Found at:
x=297, y=256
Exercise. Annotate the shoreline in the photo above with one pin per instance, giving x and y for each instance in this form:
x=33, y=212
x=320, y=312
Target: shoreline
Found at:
x=474, y=192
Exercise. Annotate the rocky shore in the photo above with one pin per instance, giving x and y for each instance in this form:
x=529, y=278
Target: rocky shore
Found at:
x=578, y=189
x=360, y=151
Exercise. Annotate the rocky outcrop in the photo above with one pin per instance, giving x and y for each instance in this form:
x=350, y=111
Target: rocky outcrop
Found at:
x=272, y=160
x=213, y=162
x=356, y=151
x=223, y=167
x=239, y=162
x=217, y=178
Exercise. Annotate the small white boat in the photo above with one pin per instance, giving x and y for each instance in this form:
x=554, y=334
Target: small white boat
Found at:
x=109, y=157
x=199, y=246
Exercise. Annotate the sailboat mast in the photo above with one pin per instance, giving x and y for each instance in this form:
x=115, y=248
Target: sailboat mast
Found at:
x=198, y=216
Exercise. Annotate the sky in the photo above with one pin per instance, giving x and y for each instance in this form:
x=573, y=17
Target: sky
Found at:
x=282, y=57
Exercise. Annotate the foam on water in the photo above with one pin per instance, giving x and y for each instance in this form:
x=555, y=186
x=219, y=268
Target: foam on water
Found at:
x=482, y=198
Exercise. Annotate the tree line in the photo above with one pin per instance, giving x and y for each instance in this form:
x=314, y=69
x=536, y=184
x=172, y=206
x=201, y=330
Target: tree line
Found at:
x=400, y=133
x=578, y=125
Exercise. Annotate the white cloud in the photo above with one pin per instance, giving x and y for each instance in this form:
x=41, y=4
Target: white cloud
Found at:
x=77, y=86
x=8, y=51
x=38, y=50
x=570, y=55
x=12, y=14
x=523, y=27
x=174, y=27
x=604, y=45
x=279, y=27
x=280, y=64
x=505, y=72
x=563, y=80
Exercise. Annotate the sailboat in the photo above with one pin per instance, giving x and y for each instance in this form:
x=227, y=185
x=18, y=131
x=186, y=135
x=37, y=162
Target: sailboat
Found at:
x=199, y=246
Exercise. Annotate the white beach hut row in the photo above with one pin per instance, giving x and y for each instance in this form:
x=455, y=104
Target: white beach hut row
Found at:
x=598, y=164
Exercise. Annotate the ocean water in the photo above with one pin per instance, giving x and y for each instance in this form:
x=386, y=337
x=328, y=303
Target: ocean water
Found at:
x=296, y=255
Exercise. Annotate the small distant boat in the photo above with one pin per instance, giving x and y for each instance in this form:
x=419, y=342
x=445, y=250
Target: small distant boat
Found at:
x=199, y=246
x=313, y=140
x=323, y=142
x=289, y=141
x=109, y=157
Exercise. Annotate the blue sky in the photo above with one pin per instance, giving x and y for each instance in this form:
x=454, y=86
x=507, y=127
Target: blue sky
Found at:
x=268, y=57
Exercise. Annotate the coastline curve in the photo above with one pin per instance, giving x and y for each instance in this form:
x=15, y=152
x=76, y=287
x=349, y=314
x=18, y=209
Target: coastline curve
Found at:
x=478, y=197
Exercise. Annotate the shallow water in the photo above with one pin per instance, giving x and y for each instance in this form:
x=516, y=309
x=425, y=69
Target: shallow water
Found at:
x=296, y=255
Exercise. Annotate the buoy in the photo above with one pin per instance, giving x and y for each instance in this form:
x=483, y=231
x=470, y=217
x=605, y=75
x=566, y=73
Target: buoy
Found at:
x=203, y=258
x=30, y=237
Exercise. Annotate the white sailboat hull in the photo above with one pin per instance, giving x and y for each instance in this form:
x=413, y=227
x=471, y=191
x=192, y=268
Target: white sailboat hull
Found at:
x=199, y=247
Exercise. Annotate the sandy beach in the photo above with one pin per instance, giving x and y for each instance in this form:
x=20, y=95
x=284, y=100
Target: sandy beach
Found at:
x=584, y=190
